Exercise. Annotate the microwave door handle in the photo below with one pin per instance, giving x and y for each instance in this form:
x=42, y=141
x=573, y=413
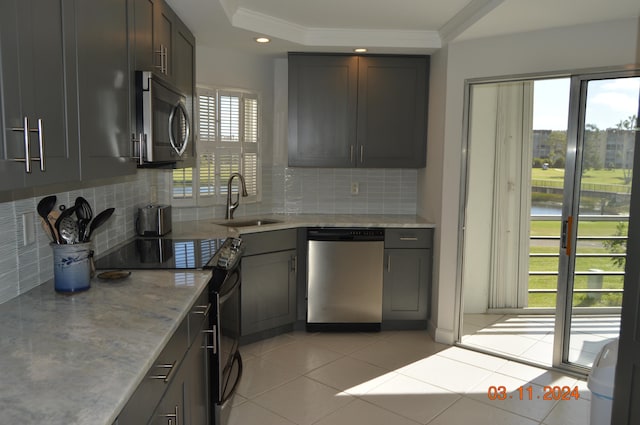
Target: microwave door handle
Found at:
x=179, y=107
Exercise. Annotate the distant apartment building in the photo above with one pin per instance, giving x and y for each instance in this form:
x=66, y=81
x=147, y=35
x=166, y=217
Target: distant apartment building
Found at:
x=615, y=151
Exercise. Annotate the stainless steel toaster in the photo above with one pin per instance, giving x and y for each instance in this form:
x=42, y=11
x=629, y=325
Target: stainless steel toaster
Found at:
x=154, y=220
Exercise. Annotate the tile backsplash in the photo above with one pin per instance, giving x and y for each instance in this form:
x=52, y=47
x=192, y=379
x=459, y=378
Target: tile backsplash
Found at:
x=284, y=190
x=329, y=191
x=23, y=267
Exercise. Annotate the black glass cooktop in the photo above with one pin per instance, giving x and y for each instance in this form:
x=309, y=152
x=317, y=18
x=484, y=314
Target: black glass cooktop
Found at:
x=160, y=253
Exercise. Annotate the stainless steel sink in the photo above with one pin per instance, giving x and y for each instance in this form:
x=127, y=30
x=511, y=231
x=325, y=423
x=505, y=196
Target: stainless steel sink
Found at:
x=247, y=223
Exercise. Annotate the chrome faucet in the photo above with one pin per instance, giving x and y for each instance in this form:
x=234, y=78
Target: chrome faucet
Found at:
x=231, y=206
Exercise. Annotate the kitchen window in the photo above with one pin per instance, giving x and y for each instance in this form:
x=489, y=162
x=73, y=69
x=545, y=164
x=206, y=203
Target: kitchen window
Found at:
x=228, y=141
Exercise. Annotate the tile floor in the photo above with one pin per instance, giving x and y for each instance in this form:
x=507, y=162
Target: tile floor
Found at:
x=530, y=337
x=392, y=378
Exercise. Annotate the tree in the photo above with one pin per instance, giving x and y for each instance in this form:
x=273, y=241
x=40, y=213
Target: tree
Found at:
x=557, y=147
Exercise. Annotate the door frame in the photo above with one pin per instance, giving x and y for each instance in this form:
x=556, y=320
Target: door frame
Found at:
x=464, y=185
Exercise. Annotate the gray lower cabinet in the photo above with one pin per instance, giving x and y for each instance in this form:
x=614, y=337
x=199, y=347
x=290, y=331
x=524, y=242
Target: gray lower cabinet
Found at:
x=103, y=84
x=33, y=99
x=407, y=276
x=175, y=391
x=268, y=292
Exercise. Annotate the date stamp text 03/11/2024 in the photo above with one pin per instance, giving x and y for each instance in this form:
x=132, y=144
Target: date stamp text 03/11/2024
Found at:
x=528, y=393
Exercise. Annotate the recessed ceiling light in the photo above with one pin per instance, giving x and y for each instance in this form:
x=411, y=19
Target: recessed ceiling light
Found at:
x=262, y=40
x=360, y=50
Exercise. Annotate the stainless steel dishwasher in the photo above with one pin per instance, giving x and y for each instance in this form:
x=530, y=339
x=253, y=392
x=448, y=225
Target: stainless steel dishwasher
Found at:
x=344, y=279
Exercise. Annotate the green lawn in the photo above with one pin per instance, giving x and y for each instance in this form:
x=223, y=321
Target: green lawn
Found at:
x=591, y=228
x=614, y=177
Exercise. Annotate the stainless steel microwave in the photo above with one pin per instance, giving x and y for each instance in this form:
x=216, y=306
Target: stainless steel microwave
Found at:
x=163, y=124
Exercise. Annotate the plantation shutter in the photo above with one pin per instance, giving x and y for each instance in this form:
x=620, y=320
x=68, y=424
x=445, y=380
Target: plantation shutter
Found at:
x=228, y=142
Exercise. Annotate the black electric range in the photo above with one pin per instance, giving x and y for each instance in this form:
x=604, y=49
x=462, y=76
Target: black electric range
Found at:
x=161, y=253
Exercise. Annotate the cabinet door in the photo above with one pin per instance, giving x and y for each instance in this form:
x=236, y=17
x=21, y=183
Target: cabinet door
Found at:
x=103, y=84
x=196, y=383
x=163, y=23
x=141, y=40
x=392, y=111
x=33, y=87
x=268, y=291
x=406, y=284
x=170, y=410
x=322, y=110
x=183, y=60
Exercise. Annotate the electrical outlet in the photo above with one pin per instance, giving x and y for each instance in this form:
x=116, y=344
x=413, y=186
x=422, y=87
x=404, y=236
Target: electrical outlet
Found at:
x=355, y=188
x=153, y=196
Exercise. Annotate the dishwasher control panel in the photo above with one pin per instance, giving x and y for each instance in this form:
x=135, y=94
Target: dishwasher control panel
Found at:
x=345, y=234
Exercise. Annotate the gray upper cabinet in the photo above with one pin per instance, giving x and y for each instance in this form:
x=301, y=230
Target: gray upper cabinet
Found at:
x=392, y=112
x=323, y=96
x=33, y=95
x=358, y=111
x=141, y=39
x=163, y=44
x=103, y=84
x=184, y=77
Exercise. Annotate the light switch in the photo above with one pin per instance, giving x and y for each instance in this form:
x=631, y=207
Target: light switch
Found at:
x=28, y=228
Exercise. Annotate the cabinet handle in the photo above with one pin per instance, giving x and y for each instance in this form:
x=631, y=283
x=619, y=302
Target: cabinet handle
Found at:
x=389, y=263
x=41, y=145
x=142, y=145
x=162, y=52
x=212, y=346
x=202, y=309
x=166, y=378
x=294, y=263
x=166, y=60
x=408, y=238
x=27, y=148
x=351, y=154
x=171, y=416
x=361, y=154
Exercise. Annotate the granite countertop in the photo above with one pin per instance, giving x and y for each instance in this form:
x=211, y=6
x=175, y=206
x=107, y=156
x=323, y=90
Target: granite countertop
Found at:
x=77, y=359
x=215, y=228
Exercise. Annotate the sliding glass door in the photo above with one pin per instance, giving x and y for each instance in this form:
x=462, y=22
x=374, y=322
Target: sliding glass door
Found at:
x=597, y=188
x=547, y=185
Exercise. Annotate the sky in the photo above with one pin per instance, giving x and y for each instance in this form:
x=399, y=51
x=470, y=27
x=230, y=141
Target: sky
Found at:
x=608, y=102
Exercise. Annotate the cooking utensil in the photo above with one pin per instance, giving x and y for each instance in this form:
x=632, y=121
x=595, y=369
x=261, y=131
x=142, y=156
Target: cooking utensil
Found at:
x=45, y=206
x=84, y=214
x=66, y=213
x=98, y=221
x=51, y=218
x=68, y=229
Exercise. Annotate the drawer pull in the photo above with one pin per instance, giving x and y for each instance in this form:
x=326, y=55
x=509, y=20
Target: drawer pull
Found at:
x=408, y=238
x=167, y=377
x=201, y=309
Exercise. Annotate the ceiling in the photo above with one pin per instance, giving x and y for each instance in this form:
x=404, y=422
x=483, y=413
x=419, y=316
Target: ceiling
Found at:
x=382, y=26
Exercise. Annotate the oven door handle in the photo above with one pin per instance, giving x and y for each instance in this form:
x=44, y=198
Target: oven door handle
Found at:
x=224, y=296
x=237, y=358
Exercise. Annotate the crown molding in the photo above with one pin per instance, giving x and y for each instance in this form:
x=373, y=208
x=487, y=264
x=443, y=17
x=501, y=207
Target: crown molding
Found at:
x=279, y=28
x=468, y=16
